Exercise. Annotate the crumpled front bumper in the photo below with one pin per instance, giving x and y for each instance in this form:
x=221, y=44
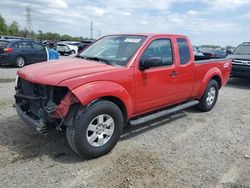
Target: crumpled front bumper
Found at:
x=36, y=124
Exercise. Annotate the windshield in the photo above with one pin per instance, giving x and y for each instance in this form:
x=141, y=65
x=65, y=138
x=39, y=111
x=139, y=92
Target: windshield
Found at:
x=242, y=50
x=115, y=50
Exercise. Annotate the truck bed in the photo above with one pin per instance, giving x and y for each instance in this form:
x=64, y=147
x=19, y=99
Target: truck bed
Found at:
x=211, y=60
x=203, y=67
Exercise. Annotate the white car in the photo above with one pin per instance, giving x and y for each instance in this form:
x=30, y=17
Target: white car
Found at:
x=66, y=48
x=197, y=52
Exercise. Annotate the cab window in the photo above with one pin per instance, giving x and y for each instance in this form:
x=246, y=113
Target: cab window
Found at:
x=159, y=48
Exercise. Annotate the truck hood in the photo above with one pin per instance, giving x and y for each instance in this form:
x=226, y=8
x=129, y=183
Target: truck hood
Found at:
x=52, y=73
x=240, y=57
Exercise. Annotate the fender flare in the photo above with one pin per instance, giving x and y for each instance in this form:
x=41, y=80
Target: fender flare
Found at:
x=209, y=75
x=95, y=90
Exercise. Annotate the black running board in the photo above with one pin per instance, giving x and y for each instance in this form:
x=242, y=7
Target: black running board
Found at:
x=163, y=113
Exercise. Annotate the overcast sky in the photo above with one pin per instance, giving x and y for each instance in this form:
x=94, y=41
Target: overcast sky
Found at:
x=222, y=22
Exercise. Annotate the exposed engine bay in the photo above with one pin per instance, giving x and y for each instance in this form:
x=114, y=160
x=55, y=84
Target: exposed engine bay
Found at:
x=43, y=105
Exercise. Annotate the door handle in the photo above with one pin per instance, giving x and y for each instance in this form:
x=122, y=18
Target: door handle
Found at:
x=173, y=74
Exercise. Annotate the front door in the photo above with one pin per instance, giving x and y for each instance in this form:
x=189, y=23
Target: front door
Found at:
x=156, y=86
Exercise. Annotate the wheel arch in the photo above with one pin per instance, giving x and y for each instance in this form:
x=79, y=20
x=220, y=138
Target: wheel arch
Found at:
x=120, y=104
x=20, y=55
x=214, y=74
x=218, y=80
x=106, y=90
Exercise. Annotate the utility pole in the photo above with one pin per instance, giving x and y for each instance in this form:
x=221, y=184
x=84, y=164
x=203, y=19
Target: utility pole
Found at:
x=91, y=30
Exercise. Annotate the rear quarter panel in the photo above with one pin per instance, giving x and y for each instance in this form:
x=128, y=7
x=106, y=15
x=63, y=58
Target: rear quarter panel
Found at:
x=206, y=70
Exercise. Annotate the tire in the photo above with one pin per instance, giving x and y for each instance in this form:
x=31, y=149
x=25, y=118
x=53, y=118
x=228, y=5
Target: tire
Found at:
x=87, y=137
x=20, y=61
x=209, y=97
x=73, y=52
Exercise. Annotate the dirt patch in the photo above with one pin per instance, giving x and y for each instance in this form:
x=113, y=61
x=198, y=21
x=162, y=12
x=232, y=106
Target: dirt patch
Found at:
x=140, y=169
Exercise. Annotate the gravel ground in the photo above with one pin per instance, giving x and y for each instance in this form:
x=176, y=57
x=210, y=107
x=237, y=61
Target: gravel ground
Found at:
x=187, y=149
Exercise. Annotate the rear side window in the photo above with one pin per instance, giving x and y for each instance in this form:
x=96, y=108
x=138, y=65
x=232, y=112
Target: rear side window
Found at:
x=3, y=44
x=25, y=44
x=183, y=51
x=15, y=45
x=159, y=48
x=37, y=46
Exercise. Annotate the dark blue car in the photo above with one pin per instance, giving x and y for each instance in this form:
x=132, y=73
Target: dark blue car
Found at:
x=21, y=52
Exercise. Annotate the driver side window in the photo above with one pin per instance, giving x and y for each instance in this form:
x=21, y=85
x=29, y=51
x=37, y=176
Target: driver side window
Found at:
x=159, y=48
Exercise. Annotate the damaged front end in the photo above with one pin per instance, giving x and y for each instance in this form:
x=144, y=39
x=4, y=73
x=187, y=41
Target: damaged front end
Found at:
x=43, y=106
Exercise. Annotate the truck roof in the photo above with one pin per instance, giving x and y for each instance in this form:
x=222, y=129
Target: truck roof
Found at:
x=152, y=34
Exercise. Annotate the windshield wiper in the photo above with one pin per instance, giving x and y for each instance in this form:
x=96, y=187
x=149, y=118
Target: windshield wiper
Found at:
x=97, y=59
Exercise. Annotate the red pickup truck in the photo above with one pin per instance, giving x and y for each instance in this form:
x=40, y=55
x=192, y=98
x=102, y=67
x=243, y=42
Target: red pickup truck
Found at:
x=119, y=79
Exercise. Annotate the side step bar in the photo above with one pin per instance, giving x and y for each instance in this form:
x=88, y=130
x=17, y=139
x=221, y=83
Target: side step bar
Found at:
x=160, y=114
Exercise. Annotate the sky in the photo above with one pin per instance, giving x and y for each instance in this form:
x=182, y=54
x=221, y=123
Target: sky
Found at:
x=217, y=22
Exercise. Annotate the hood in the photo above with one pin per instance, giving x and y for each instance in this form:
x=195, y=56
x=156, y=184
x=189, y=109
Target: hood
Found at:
x=239, y=57
x=52, y=73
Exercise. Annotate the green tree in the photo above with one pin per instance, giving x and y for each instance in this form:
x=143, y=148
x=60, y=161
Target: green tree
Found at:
x=13, y=29
x=3, y=26
x=40, y=35
x=65, y=37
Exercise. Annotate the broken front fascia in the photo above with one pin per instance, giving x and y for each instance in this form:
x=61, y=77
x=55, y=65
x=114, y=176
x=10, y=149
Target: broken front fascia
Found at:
x=63, y=108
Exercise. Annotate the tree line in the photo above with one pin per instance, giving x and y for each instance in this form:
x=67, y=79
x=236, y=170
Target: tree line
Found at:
x=15, y=29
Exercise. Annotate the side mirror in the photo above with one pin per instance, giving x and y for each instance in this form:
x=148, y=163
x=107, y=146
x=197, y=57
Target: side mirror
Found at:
x=150, y=62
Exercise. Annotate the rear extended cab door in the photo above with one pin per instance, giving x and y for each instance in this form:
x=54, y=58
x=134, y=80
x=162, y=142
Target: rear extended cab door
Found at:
x=185, y=73
x=157, y=86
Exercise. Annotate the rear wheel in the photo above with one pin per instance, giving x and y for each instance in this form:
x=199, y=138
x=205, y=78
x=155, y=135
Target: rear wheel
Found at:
x=20, y=61
x=96, y=130
x=209, y=97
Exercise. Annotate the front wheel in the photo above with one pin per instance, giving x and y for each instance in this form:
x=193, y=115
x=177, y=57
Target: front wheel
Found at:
x=96, y=130
x=209, y=97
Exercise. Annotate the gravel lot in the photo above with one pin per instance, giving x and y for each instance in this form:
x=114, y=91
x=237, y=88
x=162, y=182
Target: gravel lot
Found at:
x=187, y=149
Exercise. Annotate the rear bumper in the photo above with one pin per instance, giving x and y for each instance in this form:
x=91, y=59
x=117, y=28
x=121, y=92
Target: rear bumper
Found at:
x=6, y=59
x=240, y=71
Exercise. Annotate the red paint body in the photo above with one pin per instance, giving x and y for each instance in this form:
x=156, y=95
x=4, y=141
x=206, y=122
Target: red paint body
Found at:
x=140, y=91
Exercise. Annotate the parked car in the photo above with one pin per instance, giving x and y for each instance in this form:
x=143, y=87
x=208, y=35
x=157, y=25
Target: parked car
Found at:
x=81, y=45
x=21, y=52
x=197, y=51
x=49, y=44
x=214, y=53
x=94, y=96
x=64, y=48
x=241, y=60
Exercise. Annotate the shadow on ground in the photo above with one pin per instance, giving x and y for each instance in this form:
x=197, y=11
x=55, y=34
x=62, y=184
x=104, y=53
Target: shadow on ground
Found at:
x=27, y=144
x=240, y=83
